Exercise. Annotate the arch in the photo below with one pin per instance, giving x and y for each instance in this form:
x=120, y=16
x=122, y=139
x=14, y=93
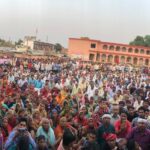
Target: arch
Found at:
x=142, y=51
x=116, y=59
x=103, y=58
x=122, y=60
x=136, y=51
x=148, y=52
x=117, y=48
x=111, y=47
x=130, y=50
x=135, y=61
x=110, y=58
x=97, y=57
x=91, y=57
x=105, y=47
x=124, y=49
x=141, y=61
x=147, y=62
x=128, y=60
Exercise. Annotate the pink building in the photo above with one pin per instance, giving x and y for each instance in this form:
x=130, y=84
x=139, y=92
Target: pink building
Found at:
x=106, y=52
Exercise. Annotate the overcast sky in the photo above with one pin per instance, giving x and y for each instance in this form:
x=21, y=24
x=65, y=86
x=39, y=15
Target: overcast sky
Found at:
x=57, y=20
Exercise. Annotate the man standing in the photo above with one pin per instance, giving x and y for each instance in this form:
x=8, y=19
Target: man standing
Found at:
x=141, y=134
x=104, y=130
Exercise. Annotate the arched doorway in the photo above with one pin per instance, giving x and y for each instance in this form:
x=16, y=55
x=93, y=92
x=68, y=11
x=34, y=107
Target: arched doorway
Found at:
x=122, y=60
x=91, y=57
x=105, y=47
x=146, y=62
x=97, y=57
x=103, y=58
x=141, y=61
x=111, y=47
x=110, y=58
x=116, y=59
x=135, y=61
x=129, y=59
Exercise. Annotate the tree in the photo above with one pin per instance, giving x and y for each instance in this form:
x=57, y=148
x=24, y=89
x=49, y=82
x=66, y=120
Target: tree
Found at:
x=4, y=43
x=58, y=47
x=147, y=40
x=141, y=41
x=19, y=42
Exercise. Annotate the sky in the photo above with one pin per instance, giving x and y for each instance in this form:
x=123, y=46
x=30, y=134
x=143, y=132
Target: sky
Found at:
x=55, y=21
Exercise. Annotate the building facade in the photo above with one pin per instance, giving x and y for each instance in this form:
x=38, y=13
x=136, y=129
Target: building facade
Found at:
x=47, y=47
x=106, y=52
x=31, y=43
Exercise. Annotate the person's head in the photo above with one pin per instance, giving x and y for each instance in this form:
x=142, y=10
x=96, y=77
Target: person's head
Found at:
x=54, y=102
x=115, y=109
x=9, y=114
x=21, y=113
x=63, y=122
x=146, y=104
x=36, y=114
x=121, y=143
x=91, y=135
x=131, y=110
x=68, y=139
x=83, y=109
x=54, y=113
x=133, y=145
x=147, y=113
x=22, y=123
x=41, y=142
x=42, y=106
x=141, y=112
x=23, y=143
x=45, y=124
x=91, y=122
x=123, y=116
x=5, y=122
x=81, y=114
x=96, y=92
x=121, y=104
x=141, y=124
x=128, y=102
x=106, y=119
x=111, y=140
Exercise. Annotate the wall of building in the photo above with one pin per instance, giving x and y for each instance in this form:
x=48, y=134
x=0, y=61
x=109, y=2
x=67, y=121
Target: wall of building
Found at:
x=106, y=52
x=79, y=48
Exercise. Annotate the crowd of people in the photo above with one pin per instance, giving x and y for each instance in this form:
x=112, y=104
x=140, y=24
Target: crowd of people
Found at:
x=68, y=104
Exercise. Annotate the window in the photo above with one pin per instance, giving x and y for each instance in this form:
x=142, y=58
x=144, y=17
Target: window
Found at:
x=146, y=62
x=111, y=48
x=105, y=47
x=135, y=60
x=103, y=58
x=122, y=59
x=130, y=50
x=129, y=59
x=136, y=50
x=124, y=49
x=93, y=45
x=118, y=48
x=91, y=57
x=110, y=58
x=98, y=57
x=142, y=51
x=148, y=52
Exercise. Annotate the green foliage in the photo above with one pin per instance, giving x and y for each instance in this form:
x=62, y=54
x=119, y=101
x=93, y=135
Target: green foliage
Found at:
x=19, y=42
x=4, y=43
x=141, y=41
x=58, y=47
